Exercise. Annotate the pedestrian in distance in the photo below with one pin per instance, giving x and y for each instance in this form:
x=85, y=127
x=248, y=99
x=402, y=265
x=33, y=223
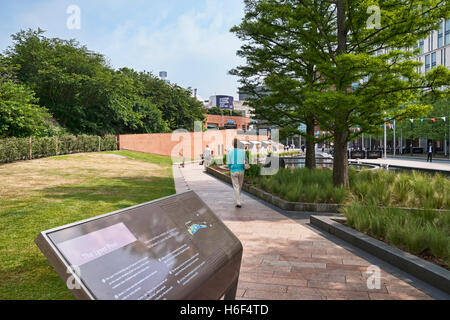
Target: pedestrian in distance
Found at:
x=430, y=153
x=181, y=154
x=238, y=163
x=207, y=156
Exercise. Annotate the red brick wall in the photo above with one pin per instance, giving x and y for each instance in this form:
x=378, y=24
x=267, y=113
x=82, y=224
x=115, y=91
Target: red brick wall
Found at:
x=192, y=143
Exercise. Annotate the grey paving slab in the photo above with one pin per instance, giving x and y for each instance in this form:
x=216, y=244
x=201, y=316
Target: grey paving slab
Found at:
x=410, y=164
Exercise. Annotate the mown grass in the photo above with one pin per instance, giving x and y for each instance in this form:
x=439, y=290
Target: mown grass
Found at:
x=425, y=233
x=381, y=188
x=85, y=187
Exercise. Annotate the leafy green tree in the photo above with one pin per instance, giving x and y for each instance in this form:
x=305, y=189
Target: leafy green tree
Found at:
x=85, y=95
x=179, y=109
x=345, y=51
x=277, y=76
x=434, y=130
x=217, y=111
x=75, y=84
x=20, y=114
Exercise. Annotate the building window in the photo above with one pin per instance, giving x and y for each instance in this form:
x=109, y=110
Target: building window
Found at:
x=427, y=63
x=445, y=56
x=441, y=35
x=433, y=60
x=431, y=41
x=442, y=57
x=447, y=32
x=421, y=46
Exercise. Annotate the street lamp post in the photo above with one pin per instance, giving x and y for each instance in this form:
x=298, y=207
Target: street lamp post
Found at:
x=385, y=143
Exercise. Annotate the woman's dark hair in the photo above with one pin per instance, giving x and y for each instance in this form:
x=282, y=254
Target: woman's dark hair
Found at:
x=235, y=143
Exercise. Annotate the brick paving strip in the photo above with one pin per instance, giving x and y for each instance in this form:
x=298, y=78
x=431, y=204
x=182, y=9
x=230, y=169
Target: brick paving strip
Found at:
x=285, y=258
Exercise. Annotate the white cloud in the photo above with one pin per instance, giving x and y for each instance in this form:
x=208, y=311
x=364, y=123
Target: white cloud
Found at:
x=197, y=49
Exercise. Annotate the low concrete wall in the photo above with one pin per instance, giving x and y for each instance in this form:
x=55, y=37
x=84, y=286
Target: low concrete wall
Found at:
x=296, y=206
x=422, y=269
x=191, y=144
x=277, y=201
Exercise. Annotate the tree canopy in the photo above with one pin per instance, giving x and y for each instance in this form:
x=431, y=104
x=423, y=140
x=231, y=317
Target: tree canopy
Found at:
x=85, y=95
x=20, y=114
x=342, y=71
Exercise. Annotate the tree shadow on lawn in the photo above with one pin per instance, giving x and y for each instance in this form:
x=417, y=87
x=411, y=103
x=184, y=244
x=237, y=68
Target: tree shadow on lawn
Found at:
x=111, y=190
x=57, y=206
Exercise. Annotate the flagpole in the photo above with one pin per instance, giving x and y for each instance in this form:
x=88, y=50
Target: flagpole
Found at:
x=401, y=140
x=395, y=142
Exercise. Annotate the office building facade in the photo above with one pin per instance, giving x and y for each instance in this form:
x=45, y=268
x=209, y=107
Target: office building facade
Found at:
x=435, y=49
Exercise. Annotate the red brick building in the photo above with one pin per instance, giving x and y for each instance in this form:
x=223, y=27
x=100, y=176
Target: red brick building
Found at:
x=228, y=122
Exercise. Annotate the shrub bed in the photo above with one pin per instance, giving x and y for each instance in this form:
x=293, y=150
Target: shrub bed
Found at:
x=288, y=153
x=379, y=188
x=16, y=149
x=425, y=233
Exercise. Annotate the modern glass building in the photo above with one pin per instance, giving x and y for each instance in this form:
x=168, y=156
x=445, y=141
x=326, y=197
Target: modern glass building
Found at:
x=435, y=49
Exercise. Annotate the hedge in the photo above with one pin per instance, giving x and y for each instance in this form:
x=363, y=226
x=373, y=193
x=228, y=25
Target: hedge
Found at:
x=16, y=149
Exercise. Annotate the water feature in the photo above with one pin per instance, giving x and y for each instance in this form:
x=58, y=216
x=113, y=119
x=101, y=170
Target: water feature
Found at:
x=327, y=163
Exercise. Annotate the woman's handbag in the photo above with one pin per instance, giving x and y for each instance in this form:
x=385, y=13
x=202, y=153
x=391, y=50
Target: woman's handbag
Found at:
x=246, y=165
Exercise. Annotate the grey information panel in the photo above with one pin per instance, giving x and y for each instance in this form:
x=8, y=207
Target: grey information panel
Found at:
x=175, y=248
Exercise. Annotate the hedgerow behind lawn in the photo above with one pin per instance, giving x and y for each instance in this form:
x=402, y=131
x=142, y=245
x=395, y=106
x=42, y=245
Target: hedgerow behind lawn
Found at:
x=42, y=194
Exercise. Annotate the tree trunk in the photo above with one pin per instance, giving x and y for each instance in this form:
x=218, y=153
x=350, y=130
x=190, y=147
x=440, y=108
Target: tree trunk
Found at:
x=310, y=161
x=340, y=165
x=341, y=27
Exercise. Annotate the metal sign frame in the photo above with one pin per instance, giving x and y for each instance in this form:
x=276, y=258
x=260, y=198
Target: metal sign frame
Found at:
x=66, y=272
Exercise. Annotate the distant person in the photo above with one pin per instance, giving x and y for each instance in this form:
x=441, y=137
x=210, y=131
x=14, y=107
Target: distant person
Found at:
x=181, y=154
x=237, y=159
x=303, y=148
x=207, y=156
x=323, y=148
x=430, y=153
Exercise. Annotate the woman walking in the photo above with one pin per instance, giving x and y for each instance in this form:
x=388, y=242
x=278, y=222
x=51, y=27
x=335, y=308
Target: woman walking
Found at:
x=237, y=162
x=207, y=157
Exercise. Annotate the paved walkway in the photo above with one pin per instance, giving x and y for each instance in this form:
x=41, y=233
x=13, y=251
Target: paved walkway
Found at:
x=286, y=258
x=410, y=164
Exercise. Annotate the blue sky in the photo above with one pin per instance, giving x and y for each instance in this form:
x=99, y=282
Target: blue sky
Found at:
x=189, y=39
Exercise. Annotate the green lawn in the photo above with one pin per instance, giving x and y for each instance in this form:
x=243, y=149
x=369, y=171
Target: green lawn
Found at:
x=42, y=194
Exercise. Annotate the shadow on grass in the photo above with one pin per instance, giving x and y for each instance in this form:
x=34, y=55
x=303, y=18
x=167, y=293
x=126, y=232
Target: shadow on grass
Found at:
x=26, y=274
x=111, y=190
